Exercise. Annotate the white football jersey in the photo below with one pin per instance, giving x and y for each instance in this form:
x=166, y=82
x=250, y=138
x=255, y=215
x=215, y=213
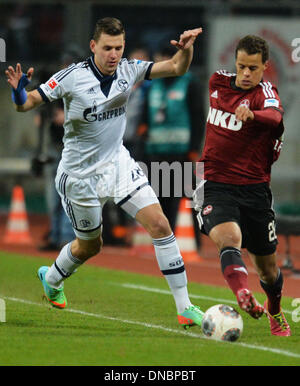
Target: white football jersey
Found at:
x=95, y=111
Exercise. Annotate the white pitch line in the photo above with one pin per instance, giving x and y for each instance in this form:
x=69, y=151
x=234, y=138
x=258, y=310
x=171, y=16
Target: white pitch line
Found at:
x=166, y=292
x=101, y=316
x=158, y=327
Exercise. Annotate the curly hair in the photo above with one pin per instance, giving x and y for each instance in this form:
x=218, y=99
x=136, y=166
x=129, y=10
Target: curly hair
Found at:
x=252, y=44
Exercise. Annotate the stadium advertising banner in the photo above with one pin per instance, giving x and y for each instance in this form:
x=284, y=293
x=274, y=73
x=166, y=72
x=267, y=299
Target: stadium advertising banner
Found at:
x=283, y=38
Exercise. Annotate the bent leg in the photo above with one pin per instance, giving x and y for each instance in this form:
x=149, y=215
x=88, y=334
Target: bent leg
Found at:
x=271, y=279
x=154, y=221
x=144, y=206
x=167, y=253
x=70, y=258
x=228, y=239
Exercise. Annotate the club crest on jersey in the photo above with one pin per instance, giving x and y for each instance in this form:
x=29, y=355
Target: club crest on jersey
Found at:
x=84, y=223
x=245, y=103
x=122, y=85
x=207, y=210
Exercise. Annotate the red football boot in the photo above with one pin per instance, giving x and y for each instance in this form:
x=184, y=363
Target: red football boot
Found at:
x=278, y=324
x=248, y=303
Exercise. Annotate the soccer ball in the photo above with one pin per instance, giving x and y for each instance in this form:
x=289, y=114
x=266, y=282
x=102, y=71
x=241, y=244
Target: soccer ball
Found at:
x=222, y=322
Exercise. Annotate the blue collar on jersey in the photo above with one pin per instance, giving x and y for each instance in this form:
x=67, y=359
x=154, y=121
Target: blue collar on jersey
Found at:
x=105, y=80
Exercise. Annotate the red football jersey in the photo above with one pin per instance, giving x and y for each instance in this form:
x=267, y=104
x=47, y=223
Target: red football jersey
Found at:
x=238, y=152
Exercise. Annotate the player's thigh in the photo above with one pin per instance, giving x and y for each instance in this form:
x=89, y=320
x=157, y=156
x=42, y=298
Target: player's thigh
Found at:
x=86, y=220
x=133, y=191
x=227, y=234
x=216, y=204
x=221, y=222
x=143, y=205
x=81, y=203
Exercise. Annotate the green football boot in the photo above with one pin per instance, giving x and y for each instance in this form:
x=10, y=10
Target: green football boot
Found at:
x=191, y=316
x=56, y=297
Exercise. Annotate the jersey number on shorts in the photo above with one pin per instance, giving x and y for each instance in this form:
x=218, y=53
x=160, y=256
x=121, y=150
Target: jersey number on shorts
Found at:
x=136, y=174
x=272, y=231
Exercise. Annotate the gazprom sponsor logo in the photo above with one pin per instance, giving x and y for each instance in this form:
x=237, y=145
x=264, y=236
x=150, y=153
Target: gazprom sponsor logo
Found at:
x=223, y=119
x=91, y=115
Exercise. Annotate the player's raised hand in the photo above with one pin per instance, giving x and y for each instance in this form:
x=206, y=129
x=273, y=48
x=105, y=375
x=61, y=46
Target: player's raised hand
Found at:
x=242, y=113
x=187, y=39
x=14, y=75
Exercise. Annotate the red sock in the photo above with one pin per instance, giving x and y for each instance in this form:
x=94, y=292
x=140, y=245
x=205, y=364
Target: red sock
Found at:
x=234, y=269
x=236, y=277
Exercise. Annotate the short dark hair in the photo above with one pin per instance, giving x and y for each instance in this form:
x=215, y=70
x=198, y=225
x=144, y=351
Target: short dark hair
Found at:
x=109, y=26
x=252, y=44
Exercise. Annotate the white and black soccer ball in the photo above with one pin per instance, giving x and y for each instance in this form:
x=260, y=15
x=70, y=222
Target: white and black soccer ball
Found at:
x=222, y=322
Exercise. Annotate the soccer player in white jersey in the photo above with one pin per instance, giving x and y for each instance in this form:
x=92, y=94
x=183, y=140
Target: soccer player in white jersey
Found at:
x=95, y=166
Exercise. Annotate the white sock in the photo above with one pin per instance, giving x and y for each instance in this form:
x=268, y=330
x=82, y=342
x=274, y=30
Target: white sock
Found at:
x=63, y=267
x=172, y=267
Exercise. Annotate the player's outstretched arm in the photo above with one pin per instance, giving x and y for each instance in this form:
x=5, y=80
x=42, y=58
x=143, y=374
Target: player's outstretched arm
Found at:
x=18, y=81
x=180, y=62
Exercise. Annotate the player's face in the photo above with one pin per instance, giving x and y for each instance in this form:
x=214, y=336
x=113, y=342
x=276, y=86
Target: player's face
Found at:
x=108, y=52
x=249, y=70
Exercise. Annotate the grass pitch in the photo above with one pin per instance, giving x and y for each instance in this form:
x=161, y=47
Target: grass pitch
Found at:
x=116, y=318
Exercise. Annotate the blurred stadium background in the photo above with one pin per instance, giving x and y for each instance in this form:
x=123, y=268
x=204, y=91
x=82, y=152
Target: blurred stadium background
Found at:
x=39, y=33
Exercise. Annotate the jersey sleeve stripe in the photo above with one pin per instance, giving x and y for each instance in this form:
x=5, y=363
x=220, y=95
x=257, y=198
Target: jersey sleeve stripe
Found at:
x=43, y=95
x=264, y=90
x=225, y=73
x=147, y=75
x=267, y=89
x=270, y=89
x=62, y=72
x=61, y=77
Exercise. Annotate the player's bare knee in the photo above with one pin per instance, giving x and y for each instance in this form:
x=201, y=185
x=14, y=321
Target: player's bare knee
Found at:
x=159, y=226
x=226, y=235
x=228, y=240
x=95, y=247
x=85, y=249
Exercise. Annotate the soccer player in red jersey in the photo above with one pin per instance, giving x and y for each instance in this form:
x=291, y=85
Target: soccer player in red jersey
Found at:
x=243, y=138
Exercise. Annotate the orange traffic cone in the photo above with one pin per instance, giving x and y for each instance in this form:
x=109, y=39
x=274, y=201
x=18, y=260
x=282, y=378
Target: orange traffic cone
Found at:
x=17, y=231
x=185, y=234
